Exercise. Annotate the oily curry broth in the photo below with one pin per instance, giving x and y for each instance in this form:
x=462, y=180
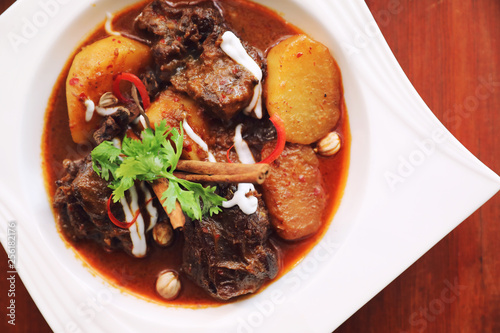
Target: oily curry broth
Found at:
x=259, y=26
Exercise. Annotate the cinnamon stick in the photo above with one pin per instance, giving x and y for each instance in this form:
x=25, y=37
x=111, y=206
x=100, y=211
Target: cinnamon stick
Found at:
x=251, y=177
x=222, y=172
x=176, y=216
x=199, y=171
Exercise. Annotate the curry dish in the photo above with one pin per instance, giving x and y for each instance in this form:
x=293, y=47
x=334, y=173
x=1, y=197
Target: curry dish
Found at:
x=196, y=151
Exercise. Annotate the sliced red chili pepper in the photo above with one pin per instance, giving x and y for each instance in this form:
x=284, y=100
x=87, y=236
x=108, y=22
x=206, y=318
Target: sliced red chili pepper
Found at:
x=227, y=154
x=118, y=223
x=146, y=102
x=280, y=144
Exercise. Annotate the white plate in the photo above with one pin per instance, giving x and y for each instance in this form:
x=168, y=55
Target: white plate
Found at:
x=410, y=182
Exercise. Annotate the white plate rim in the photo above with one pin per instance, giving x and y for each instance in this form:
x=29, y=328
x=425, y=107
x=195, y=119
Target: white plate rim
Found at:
x=378, y=76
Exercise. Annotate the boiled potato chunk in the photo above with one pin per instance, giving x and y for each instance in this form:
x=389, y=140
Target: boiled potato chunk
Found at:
x=175, y=107
x=91, y=75
x=304, y=88
x=294, y=192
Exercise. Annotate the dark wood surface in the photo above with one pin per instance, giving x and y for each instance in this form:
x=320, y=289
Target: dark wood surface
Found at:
x=448, y=49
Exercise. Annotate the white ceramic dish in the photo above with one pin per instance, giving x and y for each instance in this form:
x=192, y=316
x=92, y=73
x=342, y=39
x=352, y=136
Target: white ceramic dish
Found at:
x=410, y=182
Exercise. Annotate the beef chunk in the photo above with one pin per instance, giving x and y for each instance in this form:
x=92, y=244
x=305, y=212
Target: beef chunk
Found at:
x=81, y=200
x=113, y=126
x=91, y=191
x=219, y=83
x=187, y=51
x=151, y=82
x=256, y=132
x=229, y=254
x=179, y=31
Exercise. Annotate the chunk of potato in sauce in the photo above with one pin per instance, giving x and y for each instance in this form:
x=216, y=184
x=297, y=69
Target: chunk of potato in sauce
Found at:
x=175, y=107
x=91, y=75
x=293, y=191
x=303, y=86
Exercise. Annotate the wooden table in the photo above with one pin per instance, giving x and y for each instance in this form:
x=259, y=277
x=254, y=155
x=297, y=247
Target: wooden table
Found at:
x=448, y=49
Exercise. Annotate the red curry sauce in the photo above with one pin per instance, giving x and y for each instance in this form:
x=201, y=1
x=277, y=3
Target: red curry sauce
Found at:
x=259, y=26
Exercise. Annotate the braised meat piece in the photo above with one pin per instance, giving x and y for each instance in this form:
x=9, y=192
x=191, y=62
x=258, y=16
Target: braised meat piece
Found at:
x=256, y=133
x=229, y=254
x=180, y=31
x=81, y=199
x=187, y=51
x=112, y=126
x=215, y=80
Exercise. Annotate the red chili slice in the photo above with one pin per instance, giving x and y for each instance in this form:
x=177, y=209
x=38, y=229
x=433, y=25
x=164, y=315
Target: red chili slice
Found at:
x=227, y=154
x=280, y=144
x=118, y=223
x=146, y=102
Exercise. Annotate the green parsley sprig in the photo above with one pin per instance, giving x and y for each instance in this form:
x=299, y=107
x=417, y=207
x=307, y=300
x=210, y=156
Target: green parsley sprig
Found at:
x=154, y=157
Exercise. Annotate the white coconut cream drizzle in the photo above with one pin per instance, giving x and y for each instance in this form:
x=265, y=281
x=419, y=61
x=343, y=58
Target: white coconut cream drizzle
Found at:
x=106, y=111
x=89, y=104
x=117, y=143
x=256, y=103
x=153, y=212
x=248, y=205
x=141, y=120
x=241, y=147
x=137, y=232
x=232, y=46
x=108, y=26
x=91, y=108
x=199, y=141
x=138, y=243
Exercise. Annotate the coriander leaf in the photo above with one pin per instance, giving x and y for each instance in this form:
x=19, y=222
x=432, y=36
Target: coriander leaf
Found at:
x=169, y=198
x=170, y=153
x=210, y=200
x=190, y=206
x=155, y=156
x=130, y=168
x=177, y=138
x=120, y=187
x=105, y=159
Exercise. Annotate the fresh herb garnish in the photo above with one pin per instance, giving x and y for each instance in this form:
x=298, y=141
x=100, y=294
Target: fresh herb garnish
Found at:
x=154, y=157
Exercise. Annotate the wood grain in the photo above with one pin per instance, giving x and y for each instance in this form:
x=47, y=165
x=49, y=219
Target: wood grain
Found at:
x=450, y=50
